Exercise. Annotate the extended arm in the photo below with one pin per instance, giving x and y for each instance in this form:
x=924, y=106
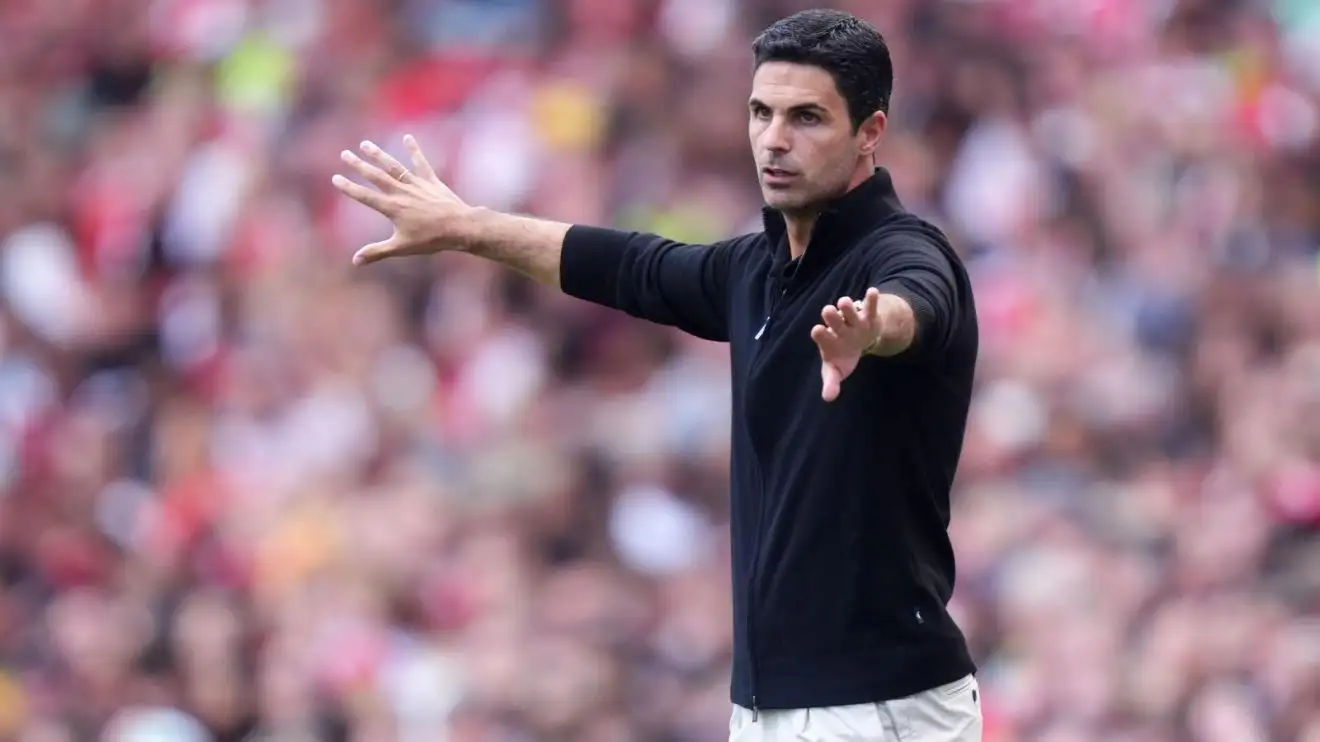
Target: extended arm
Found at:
x=649, y=277
x=533, y=247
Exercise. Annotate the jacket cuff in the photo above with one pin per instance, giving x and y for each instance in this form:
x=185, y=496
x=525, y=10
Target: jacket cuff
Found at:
x=923, y=315
x=590, y=261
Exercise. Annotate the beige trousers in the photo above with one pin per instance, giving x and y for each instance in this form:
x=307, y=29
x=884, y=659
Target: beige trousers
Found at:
x=949, y=713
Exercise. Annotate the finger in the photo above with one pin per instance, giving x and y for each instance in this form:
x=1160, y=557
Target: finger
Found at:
x=395, y=169
x=833, y=319
x=362, y=194
x=827, y=341
x=872, y=302
x=370, y=172
x=830, y=382
x=420, y=164
x=374, y=252
x=848, y=308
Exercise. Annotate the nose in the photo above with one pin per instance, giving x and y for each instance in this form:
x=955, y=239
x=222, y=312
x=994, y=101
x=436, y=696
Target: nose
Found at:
x=775, y=138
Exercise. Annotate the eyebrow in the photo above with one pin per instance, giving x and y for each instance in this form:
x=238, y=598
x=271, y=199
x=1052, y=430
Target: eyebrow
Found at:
x=800, y=108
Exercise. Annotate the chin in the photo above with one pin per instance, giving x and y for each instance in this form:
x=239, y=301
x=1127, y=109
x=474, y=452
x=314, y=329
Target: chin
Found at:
x=782, y=200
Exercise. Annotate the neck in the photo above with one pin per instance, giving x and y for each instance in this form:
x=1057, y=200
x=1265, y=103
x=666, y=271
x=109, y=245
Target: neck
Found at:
x=799, y=225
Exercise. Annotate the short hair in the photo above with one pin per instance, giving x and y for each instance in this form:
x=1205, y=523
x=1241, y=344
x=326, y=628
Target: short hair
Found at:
x=850, y=49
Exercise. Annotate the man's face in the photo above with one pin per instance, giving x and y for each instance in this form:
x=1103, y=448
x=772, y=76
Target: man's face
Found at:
x=803, y=140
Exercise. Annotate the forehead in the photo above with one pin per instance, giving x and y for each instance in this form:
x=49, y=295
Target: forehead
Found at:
x=786, y=84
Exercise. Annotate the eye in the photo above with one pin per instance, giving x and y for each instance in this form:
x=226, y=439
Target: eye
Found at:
x=760, y=112
x=808, y=117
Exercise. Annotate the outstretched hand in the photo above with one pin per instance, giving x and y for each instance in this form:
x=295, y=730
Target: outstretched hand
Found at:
x=422, y=208
x=850, y=329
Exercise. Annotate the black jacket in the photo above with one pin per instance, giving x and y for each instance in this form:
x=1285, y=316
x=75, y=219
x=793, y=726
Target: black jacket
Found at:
x=842, y=566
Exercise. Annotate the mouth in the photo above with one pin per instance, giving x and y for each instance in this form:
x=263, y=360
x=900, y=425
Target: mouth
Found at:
x=776, y=176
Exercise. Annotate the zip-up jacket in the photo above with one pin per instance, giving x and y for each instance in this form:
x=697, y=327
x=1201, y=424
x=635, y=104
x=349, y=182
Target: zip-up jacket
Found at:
x=842, y=565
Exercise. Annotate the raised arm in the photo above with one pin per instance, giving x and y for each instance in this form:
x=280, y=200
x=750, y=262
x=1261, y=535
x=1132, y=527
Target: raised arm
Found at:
x=644, y=275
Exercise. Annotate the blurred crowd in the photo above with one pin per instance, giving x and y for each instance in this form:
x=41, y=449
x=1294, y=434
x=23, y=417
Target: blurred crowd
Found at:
x=248, y=493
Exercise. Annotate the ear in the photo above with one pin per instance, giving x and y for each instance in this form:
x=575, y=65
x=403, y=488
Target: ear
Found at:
x=871, y=131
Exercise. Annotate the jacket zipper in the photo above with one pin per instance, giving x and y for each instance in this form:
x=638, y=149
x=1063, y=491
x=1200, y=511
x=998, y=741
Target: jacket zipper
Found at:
x=782, y=285
x=751, y=582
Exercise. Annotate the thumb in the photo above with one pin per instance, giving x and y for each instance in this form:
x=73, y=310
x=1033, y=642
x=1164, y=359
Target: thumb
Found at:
x=831, y=380
x=872, y=303
x=374, y=252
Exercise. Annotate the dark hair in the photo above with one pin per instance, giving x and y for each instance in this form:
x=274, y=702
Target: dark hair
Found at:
x=850, y=49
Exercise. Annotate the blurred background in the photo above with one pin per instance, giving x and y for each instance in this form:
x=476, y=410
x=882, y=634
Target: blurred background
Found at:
x=249, y=494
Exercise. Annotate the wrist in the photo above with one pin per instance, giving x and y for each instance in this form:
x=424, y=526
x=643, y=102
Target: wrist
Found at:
x=875, y=346
x=462, y=229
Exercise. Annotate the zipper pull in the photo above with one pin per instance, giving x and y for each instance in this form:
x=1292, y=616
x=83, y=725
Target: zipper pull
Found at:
x=761, y=331
x=755, y=711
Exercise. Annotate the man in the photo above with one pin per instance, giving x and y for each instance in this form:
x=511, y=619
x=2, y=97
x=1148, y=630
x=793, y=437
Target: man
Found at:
x=848, y=419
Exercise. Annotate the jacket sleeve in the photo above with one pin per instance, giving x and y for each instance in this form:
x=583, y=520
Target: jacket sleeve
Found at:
x=649, y=277
x=932, y=281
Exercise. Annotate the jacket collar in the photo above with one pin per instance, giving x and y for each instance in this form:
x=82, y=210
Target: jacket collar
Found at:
x=843, y=221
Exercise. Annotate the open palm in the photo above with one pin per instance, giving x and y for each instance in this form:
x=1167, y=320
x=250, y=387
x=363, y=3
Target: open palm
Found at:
x=850, y=328
x=422, y=209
